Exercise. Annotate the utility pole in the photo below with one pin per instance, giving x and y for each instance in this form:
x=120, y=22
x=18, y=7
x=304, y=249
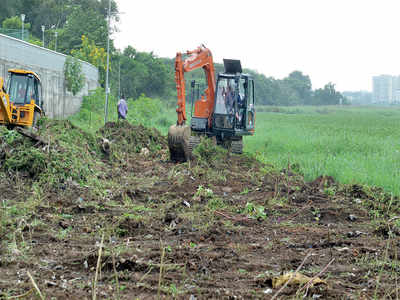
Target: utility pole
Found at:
x=119, y=79
x=108, y=63
x=22, y=31
x=43, y=28
x=56, y=34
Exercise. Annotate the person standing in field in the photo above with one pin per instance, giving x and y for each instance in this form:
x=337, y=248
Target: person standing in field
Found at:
x=122, y=108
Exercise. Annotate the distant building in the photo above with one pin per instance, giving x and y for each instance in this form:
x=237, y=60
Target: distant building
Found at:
x=396, y=89
x=386, y=89
x=358, y=97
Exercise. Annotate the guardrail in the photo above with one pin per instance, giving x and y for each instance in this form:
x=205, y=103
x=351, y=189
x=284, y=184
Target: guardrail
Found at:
x=16, y=33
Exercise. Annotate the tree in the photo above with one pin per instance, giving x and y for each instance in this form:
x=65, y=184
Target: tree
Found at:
x=79, y=23
x=15, y=23
x=92, y=54
x=143, y=73
x=9, y=8
x=301, y=84
x=328, y=96
x=74, y=77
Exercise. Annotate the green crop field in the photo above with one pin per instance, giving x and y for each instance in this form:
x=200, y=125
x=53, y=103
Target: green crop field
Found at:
x=352, y=144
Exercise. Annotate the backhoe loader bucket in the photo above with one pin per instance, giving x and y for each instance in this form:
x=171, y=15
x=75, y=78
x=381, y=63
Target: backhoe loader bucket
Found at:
x=178, y=143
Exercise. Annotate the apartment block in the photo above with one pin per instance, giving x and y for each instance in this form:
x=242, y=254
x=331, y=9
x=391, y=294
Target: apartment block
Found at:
x=386, y=89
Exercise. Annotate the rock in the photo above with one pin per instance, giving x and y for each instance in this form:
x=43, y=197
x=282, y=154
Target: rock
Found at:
x=227, y=189
x=352, y=218
x=63, y=225
x=268, y=291
x=106, y=145
x=172, y=225
x=343, y=249
x=354, y=234
x=16, y=252
x=144, y=151
x=169, y=217
x=50, y=283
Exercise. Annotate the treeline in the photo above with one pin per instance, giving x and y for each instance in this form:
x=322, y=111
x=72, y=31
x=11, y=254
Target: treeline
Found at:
x=295, y=89
x=79, y=28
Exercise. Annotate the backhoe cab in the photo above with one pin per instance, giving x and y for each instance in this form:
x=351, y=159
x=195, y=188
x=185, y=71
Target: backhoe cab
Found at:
x=21, y=103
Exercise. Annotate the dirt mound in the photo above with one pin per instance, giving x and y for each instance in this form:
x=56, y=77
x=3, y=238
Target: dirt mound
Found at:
x=132, y=138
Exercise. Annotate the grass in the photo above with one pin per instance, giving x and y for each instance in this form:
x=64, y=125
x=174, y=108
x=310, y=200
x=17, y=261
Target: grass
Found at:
x=352, y=144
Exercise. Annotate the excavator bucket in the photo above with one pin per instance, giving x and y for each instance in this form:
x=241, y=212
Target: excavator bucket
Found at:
x=178, y=142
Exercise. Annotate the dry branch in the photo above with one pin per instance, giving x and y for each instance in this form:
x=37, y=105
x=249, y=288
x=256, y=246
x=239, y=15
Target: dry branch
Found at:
x=231, y=218
x=94, y=294
x=291, y=277
x=35, y=285
x=161, y=269
x=308, y=284
x=298, y=212
x=31, y=135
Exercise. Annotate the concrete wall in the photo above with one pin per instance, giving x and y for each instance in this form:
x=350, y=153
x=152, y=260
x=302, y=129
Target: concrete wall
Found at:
x=49, y=65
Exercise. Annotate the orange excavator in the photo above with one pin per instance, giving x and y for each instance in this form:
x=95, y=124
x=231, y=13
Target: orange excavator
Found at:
x=225, y=110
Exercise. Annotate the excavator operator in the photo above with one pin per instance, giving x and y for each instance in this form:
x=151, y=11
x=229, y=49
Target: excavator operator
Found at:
x=21, y=94
x=229, y=100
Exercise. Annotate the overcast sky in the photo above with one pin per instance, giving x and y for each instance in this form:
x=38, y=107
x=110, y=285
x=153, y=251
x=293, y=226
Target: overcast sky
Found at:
x=341, y=41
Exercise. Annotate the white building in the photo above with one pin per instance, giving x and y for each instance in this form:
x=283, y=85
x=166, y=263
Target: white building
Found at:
x=396, y=89
x=386, y=89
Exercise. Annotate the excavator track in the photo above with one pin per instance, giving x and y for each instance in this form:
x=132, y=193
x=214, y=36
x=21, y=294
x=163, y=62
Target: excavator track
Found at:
x=237, y=146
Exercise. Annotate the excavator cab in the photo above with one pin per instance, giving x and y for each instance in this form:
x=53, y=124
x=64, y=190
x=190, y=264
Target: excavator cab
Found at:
x=22, y=99
x=234, y=105
x=233, y=113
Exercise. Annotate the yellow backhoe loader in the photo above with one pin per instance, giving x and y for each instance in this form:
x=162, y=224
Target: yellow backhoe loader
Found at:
x=21, y=102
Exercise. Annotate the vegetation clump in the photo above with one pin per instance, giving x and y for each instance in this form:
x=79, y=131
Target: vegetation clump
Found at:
x=209, y=153
x=18, y=154
x=70, y=154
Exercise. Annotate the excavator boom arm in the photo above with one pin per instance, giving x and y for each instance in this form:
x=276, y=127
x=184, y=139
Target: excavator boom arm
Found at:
x=4, y=103
x=180, y=89
x=198, y=58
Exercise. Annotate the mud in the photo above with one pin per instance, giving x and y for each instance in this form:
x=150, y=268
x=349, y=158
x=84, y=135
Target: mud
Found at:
x=191, y=231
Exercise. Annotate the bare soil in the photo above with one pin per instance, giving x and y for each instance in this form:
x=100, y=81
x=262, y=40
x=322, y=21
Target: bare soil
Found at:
x=207, y=229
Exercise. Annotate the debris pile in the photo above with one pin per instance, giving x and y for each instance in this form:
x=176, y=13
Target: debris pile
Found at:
x=129, y=138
